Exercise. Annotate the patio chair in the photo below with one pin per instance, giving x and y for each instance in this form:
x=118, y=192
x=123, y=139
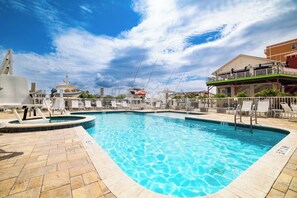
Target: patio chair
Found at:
x=59, y=105
x=294, y=107
x=246, y=107
x=114, y=105
x=14, y=94
x=288, y=112
x=75, y=105
x=125, y=105
x=88, y=104
x=158, y=105
x=263, y=107
x=99, y=104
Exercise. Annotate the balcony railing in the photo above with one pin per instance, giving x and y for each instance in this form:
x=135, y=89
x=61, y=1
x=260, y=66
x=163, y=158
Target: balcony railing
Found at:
x=256, y=72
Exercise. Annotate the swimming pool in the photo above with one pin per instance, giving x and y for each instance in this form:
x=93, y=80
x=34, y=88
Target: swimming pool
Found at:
x=173, y=156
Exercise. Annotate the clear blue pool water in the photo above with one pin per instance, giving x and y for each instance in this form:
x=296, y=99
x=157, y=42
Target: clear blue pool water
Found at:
x=177, y=157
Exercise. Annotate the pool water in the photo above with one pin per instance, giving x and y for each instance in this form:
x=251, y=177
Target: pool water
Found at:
x=177, y=157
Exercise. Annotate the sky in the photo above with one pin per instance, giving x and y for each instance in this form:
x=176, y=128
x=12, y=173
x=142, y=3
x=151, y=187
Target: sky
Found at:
x=151, y=44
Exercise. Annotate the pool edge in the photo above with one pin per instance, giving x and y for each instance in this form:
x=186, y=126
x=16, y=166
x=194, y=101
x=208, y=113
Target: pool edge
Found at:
x=256, y=181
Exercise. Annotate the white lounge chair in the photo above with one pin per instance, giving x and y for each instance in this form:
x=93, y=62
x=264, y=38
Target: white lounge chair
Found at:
x=59, y=105
x=75, y=105
x=246, y=106
x=99, y=104
x=114, y=105
x=14, y=94
x=158, y=105
x=263, y=107
x=88, y=104
x=288, y=112
x=125, y=105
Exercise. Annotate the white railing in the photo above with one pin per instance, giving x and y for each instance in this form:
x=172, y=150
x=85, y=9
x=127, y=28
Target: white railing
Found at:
x=258, y=72
x=227, y=105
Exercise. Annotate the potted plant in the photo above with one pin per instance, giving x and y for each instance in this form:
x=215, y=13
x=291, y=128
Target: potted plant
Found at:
x=221, y=104
x=202, y=100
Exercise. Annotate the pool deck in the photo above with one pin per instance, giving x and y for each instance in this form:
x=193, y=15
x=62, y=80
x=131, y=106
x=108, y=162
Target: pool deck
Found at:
x=68, y=163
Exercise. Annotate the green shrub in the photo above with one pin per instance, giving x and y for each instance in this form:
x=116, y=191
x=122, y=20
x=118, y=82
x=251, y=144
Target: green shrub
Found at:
x=241, y=94
x=220, y=96
x=271, y=93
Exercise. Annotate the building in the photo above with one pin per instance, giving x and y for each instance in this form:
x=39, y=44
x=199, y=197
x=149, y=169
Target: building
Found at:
x=279, y=51
x=251, y=74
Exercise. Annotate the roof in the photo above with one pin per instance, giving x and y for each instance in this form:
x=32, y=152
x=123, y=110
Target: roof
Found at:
x=281, y=43
x=240, y=56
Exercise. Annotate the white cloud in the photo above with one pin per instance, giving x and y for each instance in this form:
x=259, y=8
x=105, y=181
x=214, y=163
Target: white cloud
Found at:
x=163, y=33
x=86, y=9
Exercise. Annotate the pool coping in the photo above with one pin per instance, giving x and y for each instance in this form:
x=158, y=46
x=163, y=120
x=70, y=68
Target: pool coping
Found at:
x=86, y=121
x=256, y=181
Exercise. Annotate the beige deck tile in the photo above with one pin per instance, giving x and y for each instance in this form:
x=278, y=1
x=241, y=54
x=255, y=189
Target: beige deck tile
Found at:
x=33, y=165
x=75, y=156
x=109, y=195
x=90, y=191
x=19, y=186
x=44, y=148
x=291, y=194
x=39, y=153
x=292, y=166
x=73, y=163
x=38, y=171
x=103, y=187
x=275, y=194
x=35, y=182
x=6, y=173
x=90, y=177
x=61, y=192
x=58, y=150
x=79, y=170
x=290, y=172
x=5, y=186
x=32, y=193
x=76, y=182
x=55, y=179
x=282, y=183
x=56, y=158
x=293, y=185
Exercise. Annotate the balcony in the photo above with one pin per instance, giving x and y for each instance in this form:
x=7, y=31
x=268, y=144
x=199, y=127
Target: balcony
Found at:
x=257, y=71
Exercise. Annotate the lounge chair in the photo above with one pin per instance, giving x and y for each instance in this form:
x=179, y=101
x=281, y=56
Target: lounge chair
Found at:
x=158, y=105
x=75, y=105
x=294, y=107
x=59, y=105
x=125, y=105
x=88, y=104
x=99, y=104
x=246, y=107
x=14, y=94
x=288, y=112
x=114, y=105
x=263, y=107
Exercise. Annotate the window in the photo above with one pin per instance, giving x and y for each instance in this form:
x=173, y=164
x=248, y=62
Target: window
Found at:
x=293, y=47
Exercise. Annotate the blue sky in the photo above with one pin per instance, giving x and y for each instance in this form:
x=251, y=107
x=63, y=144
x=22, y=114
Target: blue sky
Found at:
x=101, y=43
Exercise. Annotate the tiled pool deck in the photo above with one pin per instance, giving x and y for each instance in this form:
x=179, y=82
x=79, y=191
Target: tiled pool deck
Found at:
x=67, y=163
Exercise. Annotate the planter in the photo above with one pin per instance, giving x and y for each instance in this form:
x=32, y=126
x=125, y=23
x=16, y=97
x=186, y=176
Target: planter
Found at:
x=221, y=110
x=203, y=109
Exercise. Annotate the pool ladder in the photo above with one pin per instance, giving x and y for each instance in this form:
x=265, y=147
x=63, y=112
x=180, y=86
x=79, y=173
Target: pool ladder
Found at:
x=252, y=113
